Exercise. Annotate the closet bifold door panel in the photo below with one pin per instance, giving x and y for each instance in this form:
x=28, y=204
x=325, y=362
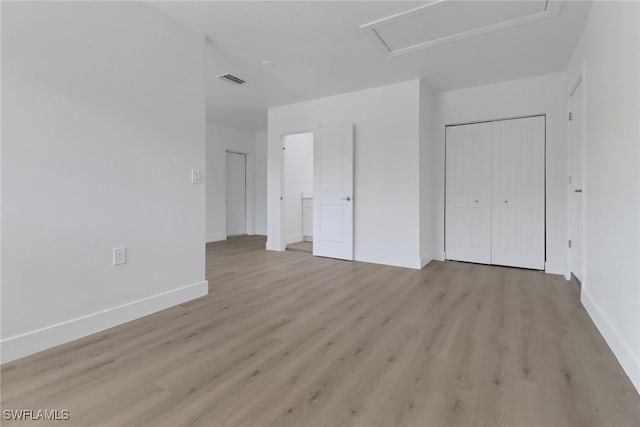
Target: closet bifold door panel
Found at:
x=494, y=192
x=468, y=193
x=517, y=218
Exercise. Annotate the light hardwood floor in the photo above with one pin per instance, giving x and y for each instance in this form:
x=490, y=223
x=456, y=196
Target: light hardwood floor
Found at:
x=286, y=339
x=301, y=246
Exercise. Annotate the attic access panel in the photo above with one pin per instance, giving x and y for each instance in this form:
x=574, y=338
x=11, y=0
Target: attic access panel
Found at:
x=444, y=21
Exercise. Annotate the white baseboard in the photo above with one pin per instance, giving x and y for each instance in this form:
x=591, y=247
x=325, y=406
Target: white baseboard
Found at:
x=439, y=256
x=553, y=268
x=22, y=345
x=216, y=237
x=424, y=261
x=621, y=349
x=308, y=238
x=294, y=238
x=406, y=262
x=271, y=247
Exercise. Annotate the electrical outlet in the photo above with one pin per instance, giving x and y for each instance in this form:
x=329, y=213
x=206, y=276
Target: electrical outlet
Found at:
x=119, y=256
x=196, y=176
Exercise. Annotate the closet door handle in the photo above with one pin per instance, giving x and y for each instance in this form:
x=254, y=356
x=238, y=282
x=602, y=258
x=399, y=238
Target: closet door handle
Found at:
x=348, y=199
x=578, y=190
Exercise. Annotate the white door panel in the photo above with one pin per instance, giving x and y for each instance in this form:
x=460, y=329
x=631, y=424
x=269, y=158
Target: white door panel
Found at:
x=333, y=192
x=468, y=196
x=235, y=194
x=518, y=193
x=307, y=218
x=576, y=195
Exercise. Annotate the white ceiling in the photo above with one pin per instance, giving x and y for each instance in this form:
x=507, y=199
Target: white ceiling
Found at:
x=318, y=49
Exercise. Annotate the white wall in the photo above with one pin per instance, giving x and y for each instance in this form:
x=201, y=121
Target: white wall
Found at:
x=608, y=58
x=298, y=179
x=544, y=94
x=261, y=183
x=103, y=118
x=428, y=112
x=219, y=139
x=386, y=197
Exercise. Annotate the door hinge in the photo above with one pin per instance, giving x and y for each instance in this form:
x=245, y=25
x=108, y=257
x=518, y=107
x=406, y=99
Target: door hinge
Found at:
x=570, y=116
x=569, y=244
x=569, y=179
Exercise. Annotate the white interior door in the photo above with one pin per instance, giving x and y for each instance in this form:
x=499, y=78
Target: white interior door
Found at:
x=518, y=193
x=236, y=193
x=576, y=173
x=333, y=192
x=468, y=193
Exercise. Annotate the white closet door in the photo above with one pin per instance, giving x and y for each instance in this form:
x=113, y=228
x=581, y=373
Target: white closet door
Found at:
x=468, y=193
x=518, y=193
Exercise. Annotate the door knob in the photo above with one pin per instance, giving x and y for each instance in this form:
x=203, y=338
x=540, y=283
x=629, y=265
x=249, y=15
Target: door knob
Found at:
x=578, y=190
x=348, y=199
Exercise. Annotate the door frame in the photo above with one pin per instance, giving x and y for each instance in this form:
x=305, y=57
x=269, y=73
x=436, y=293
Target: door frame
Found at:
x=227, y=151
x=545, y=172
x=577, y=82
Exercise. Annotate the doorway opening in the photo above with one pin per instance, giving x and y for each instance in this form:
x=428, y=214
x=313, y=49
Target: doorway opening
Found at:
x=297, y=160
x=331, y=169
x=236, y=193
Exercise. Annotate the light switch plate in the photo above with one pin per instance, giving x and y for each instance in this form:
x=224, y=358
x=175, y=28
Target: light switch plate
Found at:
x=196, y=176
x=119, y=256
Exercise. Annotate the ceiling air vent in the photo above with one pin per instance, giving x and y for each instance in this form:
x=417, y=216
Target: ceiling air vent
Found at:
x=231, y=79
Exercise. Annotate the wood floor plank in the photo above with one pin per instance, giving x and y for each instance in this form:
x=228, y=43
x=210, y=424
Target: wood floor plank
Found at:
x=288, y=339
